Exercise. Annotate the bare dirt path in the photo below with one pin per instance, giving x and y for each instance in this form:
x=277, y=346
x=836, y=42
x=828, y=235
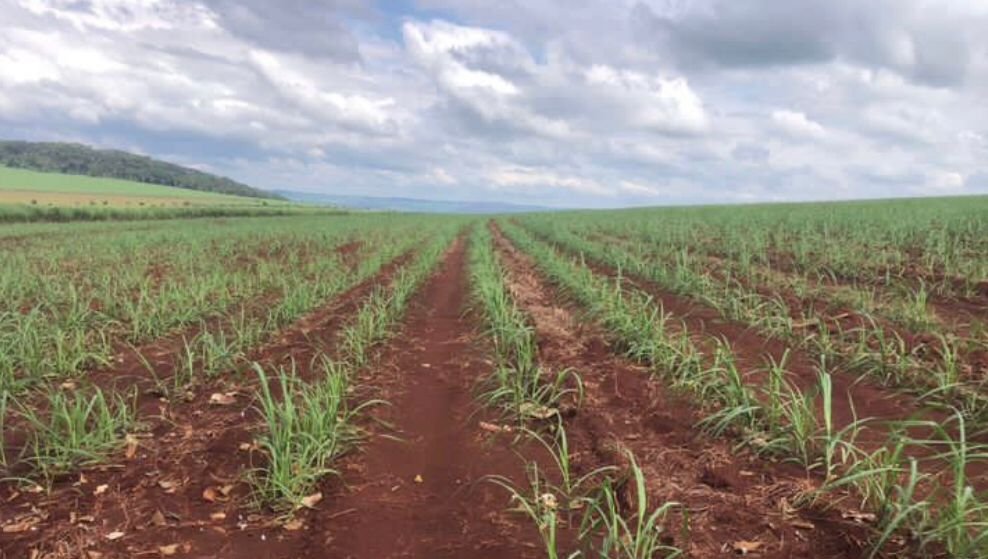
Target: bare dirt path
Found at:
x=424, y=496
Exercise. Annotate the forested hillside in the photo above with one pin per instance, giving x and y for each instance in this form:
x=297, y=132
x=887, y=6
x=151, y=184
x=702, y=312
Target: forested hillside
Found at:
x=78, y=159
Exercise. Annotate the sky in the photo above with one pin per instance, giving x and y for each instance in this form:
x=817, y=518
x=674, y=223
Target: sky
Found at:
x=567, y=103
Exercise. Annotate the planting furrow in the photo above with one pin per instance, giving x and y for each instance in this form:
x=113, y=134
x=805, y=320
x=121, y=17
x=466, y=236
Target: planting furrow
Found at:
x=725, y=499
x=911, y=273
x=920, y=481
x=754, y=353
x=927, y=325
x=910, y=279
x=184, y=483
x=941, y=367
x=939, y=376
x=175, y=366
x=61, y=329
x=420, y=492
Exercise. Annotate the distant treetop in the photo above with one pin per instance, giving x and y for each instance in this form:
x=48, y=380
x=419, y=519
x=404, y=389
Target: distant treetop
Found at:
x=78, y=159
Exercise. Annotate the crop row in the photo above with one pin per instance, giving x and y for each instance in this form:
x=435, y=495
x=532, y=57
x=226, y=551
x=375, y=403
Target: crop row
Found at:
x=937, y=374
x=580, y=512
x=936, y=240
x=80, y=426
x=901, y=481
x=308, y=425
x=68, y=309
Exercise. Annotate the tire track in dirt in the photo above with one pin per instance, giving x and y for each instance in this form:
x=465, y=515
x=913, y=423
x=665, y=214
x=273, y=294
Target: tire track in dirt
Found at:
x=156, y=498
x=732, y=497
x=423, y=495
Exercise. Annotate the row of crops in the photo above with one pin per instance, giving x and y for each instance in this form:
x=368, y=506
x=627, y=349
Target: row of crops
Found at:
x=838, y=351
x=93, y=318
x=846, y=339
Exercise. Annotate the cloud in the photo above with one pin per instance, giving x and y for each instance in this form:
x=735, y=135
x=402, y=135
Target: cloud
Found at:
x=664, y=105
x=526, y=177
x=750, y=153
x=466, y=64
x=905, y=121
x=574, y=104
x=354, y=111
x=796, y=124
x=314, y=28
x=638, y=189
x=945, y=182
x=918, y=39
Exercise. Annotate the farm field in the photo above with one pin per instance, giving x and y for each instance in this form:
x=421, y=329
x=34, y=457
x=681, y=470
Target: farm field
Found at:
x=22, y=186
x=767, y=381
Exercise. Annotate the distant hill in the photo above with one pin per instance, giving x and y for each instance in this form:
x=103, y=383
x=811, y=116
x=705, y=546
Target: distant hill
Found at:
x=408, y=204
x=78, y=159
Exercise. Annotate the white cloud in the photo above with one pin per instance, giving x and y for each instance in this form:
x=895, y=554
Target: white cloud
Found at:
x=376, y=115
x=123, y=15
x=797, y=124
x=945, y=182
x=905, y=120
x=589, y=103
x=446, y=52
x=528, y=177
x=667, y=105
x=639, y=189
x=21, y=67
x=441, y=176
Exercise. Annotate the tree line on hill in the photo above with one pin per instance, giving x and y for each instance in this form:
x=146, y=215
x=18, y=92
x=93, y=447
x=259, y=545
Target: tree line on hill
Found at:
x=78, y=159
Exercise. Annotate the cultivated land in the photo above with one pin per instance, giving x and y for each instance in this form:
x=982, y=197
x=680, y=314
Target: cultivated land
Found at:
x=767, y=381
x=21, y=186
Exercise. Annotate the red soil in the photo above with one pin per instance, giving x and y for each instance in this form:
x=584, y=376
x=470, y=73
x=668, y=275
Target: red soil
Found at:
x=156, y=497
x=732, y=496
x=914, y=276
x=424, y=495
x=854, y=397
x=350, y=253
x=421, y=496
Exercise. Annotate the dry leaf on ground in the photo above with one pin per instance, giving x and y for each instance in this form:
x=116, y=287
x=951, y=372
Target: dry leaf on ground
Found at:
x=132, y=444
x=312, y=500
x=158, y=519
x=223, y=399
x=20, y=526
x=495, y=428
x=744, y=547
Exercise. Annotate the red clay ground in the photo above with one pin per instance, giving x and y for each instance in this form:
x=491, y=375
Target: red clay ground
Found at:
x=854, y=397
x=417, y=489
x=156, y=497
x=852, y=394
x=422, y=496
x=733, y=497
